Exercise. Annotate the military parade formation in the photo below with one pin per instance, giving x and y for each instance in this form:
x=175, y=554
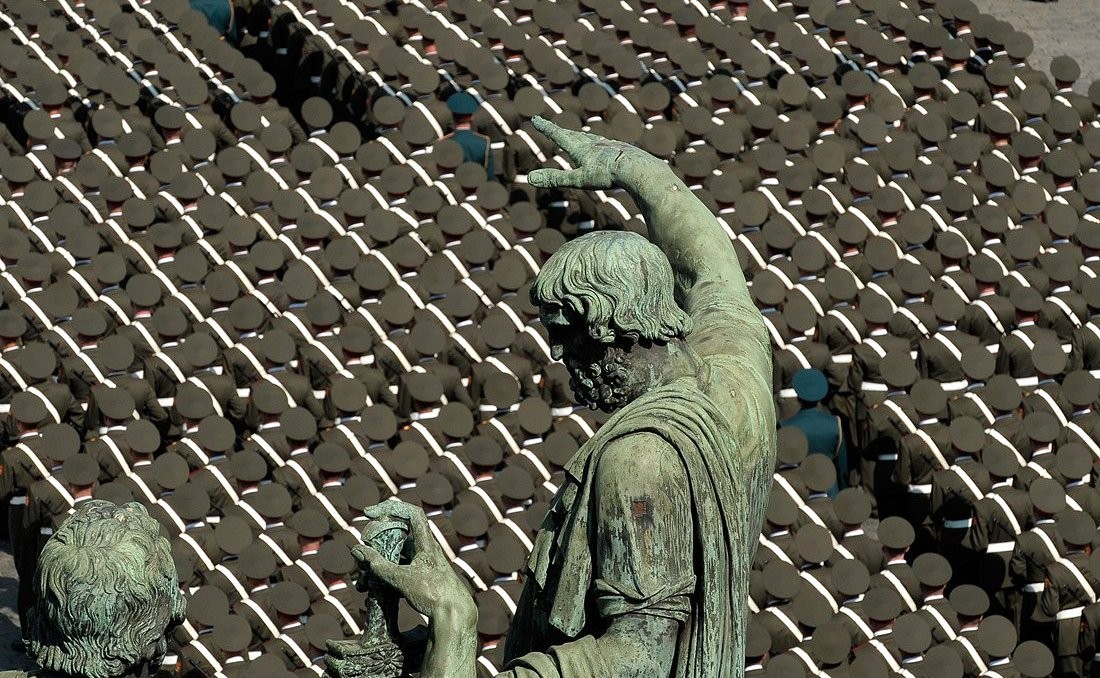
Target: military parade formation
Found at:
x=265, y=264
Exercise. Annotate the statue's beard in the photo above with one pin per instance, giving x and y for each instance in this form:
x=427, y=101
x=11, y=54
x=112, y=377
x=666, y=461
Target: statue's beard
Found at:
x=603, y=380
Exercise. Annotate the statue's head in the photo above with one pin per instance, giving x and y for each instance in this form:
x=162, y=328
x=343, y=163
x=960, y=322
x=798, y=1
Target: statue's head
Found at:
x=607, y=301
x=106, y=592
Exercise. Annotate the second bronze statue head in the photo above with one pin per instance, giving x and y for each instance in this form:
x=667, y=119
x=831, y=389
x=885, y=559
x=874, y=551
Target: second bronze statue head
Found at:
x=106, y=592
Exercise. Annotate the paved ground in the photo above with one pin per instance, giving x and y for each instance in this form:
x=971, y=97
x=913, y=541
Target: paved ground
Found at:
x=1063, y=27
x=9, y=622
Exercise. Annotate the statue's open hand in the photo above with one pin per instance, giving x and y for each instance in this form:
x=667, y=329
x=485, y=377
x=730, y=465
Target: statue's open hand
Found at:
x=599, y=163
x=427, y=582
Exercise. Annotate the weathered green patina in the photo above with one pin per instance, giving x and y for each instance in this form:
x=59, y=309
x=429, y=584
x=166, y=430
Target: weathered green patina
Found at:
x=106, y=593
x=642, y=564
x=376, y=653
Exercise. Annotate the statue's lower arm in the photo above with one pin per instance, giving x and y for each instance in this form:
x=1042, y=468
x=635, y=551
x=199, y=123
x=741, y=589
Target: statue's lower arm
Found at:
x=429, y=585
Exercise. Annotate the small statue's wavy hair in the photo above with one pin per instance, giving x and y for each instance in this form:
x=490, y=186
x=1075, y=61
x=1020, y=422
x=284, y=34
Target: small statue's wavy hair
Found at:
x=106, y=591
x=619, y=283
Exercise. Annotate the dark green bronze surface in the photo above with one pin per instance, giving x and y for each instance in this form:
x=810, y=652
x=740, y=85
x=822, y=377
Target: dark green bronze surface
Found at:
x=642, y=564
x=106, y=593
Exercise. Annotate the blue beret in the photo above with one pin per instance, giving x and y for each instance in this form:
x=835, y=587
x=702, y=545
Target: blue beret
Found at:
x=811, y=385
x=462, y=103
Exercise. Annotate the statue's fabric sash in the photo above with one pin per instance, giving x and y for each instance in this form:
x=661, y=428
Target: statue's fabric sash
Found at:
x=727, y=459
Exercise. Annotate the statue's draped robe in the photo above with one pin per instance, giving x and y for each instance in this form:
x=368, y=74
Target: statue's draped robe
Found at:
x=727, y=453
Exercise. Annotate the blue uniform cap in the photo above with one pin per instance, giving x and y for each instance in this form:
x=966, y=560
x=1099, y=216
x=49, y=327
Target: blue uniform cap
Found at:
x=810, y=385
x=462, y=103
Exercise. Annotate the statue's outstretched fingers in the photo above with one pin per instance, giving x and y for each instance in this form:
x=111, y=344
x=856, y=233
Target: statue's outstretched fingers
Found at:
x=551, y=178
x=542, y=124
x=587, y=178
x=575, y=144
x=549, y=129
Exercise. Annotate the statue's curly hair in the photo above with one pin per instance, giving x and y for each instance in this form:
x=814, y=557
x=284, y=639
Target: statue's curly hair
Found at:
x=106, y=591
x=619, y=283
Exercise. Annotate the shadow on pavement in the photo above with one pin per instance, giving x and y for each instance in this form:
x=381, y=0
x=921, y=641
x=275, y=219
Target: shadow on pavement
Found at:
x=9, y=621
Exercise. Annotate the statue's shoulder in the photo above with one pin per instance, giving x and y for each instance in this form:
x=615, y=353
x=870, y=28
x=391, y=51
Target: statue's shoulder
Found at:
x=684, y=404
x=15, y=674
x=633, y=426
x=637, y=457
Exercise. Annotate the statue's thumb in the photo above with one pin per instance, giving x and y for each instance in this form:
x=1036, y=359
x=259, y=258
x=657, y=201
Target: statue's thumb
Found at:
x=541, y=178
x=374, y=561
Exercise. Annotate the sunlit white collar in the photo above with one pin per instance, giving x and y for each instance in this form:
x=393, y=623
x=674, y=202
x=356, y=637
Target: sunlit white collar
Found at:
x=428, y=414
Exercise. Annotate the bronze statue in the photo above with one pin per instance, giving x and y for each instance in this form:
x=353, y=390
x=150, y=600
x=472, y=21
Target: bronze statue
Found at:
x=106, y=593
x=378, y=651
x=642, y=564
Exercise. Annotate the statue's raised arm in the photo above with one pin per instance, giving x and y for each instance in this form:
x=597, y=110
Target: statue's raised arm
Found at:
x=678, y=222
x=702, y=256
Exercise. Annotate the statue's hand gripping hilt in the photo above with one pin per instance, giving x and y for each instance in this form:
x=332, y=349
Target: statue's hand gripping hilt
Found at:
x=378, y=652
